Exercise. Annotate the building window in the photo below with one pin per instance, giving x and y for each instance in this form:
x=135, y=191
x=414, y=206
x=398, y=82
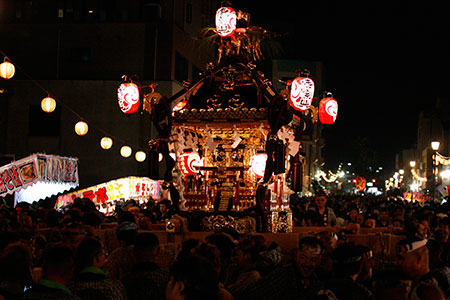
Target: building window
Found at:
x=42, y=123
x=181, y=67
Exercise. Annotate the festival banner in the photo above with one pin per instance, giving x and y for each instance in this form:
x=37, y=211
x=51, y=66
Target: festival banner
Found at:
x=26, y=172
x=119, y=189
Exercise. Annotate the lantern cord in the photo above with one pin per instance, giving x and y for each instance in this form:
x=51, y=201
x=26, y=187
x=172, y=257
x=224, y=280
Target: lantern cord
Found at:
x=66, y=106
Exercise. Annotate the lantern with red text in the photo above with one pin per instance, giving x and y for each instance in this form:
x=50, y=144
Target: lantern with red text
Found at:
x=188, y=162
x=225, y=21
x=328, y=110
x=258, y=164
x=302, y=93
x=128, y=97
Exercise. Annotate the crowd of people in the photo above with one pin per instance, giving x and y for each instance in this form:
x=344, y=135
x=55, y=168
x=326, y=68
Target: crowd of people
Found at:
x=49, y=254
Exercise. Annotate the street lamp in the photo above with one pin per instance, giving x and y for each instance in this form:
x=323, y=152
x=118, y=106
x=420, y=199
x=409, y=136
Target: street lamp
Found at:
x=435, y=147
x=413, y=185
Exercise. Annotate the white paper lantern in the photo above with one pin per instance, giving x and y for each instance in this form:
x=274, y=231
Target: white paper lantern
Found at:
x=81, y=128
x=125, y=151
x=48, y=104
x=140, y=156
x=106, y=143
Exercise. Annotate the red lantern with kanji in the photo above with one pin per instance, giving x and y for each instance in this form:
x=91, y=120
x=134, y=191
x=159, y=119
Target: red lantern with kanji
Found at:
x=258, y=164
x=225, y=21
x=128, y=96
x=188, y=163
x=328, y=110
x=302, y=93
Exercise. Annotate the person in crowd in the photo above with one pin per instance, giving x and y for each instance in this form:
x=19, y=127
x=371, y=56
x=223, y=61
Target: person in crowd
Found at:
x=384, y=219
x=146, y=280
x=365, y=277
x=164, y=212
x=295, y=279
x=347, y=268
x=442, y=235
x=121, y=260
x=15, y=275
x=90, y=282
x=192, y=277
x=57, y=272
x=327, y=213
x=329, y=241
x=246, y=256
x=370, y=222
x=413, y=260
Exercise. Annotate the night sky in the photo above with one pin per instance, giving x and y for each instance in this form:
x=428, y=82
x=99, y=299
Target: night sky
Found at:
x=384, y=62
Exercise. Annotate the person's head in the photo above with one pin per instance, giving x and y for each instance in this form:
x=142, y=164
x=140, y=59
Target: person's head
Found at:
x=146, y=247
x=353, y=213
x=15, y=264
x=126, y=233
x=308, y=255
x=58, y=263
x=192, y=278
x=246, y=254
x=412, y=257
x=164, y=206
x=72, y=234
x=329, y=240
x=224, y=242
x=398, y=223
x=89, y=254
x=360, y=219
x=444, y=228
x=347, y=260
x=370, y=222
x=320, y=200
x=384, y=214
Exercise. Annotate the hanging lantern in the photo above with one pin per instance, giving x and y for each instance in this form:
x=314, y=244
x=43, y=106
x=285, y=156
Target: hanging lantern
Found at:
x=188, y=161
x=258, y=164
x=180, y=105
x=302, y=93
x=7, y=69
x=225, y=21
x=81, y=128
x=125, y=151
x=106, y=143
x=48, y=104
x=128, y=97
x=360, y=183
x=328, y=110
x=140, y=156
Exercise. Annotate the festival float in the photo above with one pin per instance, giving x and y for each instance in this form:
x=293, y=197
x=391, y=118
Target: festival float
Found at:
x=38, y=176
x=230, y=142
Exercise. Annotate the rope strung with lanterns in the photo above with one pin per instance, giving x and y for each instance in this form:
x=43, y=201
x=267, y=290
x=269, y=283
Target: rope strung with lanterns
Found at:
x=333, y=176
x=443, y=160
x=417, y=177
x=48, y=105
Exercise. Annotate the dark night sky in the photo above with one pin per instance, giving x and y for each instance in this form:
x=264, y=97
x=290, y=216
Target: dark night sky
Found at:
x=384, y=62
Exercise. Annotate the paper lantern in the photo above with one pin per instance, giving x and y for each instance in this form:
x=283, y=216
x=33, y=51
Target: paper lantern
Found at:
x=361, y=183
x=128, y=97
x=225, y=21
x=258, y=164
x=106, y=143
x=302, y=93
x=48, y=104
x=125, y=151
x=328, y=110
x=188, y=161
x=7, y=70
x=140, y=156
x=81, y=128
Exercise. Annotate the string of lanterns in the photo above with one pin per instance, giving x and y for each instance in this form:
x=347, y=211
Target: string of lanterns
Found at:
x=48, y=105
x=417, y=177
x=443, y=160
x=333, y=176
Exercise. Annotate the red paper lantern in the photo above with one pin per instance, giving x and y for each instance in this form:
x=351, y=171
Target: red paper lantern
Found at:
x=302, y=93
x=129, y=97
x=258, y=164
x=328, y=110
x=188, y=161
x=225, y=21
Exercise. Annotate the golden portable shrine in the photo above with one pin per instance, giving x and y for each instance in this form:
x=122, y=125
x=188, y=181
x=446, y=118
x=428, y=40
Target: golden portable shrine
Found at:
x=229, y=140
